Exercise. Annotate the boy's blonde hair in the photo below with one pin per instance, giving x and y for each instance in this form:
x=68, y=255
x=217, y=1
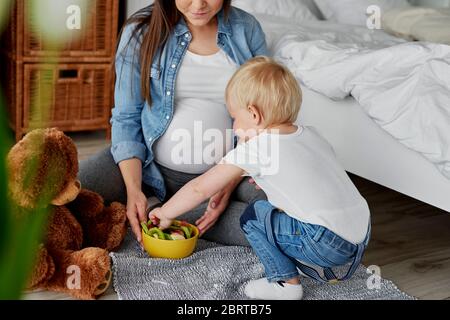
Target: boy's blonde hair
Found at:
x=270, y=87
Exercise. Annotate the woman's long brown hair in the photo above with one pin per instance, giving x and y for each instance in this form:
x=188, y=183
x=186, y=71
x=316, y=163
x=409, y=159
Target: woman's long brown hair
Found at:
x=154, y=24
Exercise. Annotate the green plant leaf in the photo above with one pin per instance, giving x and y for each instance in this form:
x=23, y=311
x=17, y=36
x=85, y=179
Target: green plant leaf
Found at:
x=5, y=6
x=21, y=231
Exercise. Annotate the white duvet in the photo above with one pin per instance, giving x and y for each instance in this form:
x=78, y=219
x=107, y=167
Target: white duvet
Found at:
x=403, y=86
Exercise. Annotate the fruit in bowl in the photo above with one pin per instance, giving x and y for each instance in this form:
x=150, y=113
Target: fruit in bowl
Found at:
x=179, y=230
x=176, y=242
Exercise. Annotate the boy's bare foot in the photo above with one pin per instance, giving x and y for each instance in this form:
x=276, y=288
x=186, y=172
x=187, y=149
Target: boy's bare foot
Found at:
x=295, y=280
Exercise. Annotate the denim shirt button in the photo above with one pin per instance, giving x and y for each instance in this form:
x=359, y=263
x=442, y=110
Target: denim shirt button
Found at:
x=167, y=117
x=174, y=66
x=187, y=35
x=169, y=93
x=183, y=43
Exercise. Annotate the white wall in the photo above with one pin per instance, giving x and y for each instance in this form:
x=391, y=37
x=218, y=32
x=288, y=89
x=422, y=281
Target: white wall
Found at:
x=135, y=5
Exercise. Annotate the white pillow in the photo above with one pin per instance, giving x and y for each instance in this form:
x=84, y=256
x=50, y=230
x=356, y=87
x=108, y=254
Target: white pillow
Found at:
x=291, y=9
x=433, y=29
x=419, y=23
x=355, y=11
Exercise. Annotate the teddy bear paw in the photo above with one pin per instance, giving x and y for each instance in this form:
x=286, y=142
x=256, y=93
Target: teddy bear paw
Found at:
x=43, y=270
x=102, y=287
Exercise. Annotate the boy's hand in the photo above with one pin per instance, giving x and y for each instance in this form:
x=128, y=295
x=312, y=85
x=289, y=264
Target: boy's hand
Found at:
x=158, y=218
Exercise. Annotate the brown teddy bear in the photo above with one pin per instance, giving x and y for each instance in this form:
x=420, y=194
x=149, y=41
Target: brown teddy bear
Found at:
x=74, y=257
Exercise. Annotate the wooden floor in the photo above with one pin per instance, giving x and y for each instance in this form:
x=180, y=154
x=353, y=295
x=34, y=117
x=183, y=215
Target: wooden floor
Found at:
x=410, y=240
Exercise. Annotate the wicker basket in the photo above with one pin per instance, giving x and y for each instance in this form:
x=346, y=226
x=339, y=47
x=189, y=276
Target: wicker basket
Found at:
x=95, y=39
x=71, y=97
x=79, y=77
x=11, y=80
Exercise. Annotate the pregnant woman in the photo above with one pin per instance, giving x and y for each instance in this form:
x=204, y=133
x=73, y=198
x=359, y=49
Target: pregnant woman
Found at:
x=170, y=123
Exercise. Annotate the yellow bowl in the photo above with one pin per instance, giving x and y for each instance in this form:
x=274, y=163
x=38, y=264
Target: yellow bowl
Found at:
x=170, y=249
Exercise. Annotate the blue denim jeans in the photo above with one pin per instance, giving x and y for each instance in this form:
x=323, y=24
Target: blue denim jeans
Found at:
x=311, y=244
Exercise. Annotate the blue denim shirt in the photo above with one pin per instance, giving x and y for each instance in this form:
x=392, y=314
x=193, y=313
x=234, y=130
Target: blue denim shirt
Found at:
x=136, y=126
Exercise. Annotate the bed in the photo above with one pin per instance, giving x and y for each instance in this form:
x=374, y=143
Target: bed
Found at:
x=370, y=152
x=351, y=117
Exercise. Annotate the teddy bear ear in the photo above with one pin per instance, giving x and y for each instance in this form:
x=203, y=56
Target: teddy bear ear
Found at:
x=68, y=194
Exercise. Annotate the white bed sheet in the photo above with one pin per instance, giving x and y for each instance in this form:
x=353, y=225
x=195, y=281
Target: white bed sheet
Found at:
x=370, y=152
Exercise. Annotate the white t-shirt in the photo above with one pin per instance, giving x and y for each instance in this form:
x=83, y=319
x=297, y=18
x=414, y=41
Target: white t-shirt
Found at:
x=197, y=138
x=300, y=174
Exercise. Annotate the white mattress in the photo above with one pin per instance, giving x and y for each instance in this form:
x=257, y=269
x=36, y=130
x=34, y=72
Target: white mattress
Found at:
x=370, y=152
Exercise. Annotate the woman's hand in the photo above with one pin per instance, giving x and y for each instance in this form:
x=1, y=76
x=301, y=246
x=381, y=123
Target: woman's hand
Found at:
x=158, y=218
x=136, y=207
x=136, y=200
x=217, y=205
x=252, y=181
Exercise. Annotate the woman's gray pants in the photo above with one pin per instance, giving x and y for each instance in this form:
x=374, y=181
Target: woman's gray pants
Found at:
x=102, y=175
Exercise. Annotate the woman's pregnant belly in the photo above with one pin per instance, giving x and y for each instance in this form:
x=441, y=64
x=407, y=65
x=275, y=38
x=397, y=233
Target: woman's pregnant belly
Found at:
x=198, y=137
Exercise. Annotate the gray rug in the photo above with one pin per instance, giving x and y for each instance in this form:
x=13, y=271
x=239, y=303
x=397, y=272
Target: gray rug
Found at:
x=217, y=272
